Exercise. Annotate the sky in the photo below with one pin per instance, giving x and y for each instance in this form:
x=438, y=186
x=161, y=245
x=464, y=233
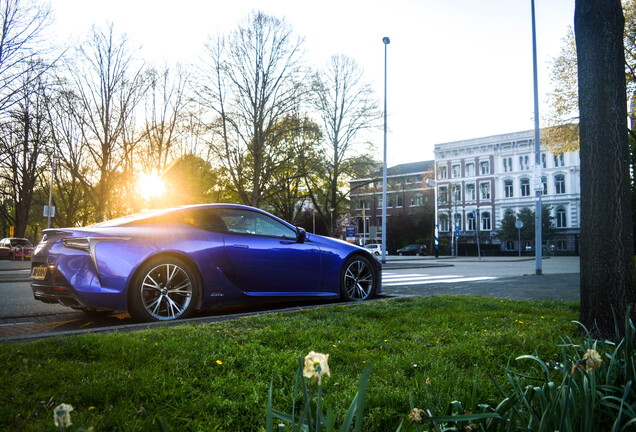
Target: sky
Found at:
x=456, y=69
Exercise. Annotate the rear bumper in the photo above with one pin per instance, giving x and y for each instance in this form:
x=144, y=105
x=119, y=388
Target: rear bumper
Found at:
x=54, y=288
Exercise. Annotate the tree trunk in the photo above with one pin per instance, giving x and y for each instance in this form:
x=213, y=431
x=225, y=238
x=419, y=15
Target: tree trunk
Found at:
x=607, y=278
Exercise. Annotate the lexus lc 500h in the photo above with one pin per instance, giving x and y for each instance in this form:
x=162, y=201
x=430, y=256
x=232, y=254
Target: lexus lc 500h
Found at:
x=165, y=264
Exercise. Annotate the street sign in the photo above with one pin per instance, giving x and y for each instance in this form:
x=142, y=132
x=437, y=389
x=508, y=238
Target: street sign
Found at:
x=519, y=224
x=46, y=211
x=351, y=233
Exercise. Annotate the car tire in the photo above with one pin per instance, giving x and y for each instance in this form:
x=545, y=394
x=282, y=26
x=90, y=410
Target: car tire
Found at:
x=164, y=289
x=358, y=280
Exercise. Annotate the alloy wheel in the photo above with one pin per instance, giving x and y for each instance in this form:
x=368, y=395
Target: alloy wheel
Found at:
x=358, y=280
x=166, y=292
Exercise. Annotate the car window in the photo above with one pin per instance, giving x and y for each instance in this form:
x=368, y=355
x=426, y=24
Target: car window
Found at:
x=21, y=242
x=207, y=219
x=249, y=222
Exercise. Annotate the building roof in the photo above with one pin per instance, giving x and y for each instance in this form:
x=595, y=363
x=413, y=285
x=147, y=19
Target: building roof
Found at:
x=410, y=168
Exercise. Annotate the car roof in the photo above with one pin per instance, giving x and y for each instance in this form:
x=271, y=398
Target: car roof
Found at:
x=136, y=217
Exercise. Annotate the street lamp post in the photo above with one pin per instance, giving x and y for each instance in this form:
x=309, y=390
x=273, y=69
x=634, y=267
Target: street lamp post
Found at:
x=537, y=154
x=385, y=41
x=53, y=159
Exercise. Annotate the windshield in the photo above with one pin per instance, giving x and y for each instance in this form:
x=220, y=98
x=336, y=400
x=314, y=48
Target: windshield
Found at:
x=20, y=242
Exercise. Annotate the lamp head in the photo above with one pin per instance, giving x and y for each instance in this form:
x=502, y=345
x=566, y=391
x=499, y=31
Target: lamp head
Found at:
x=386, y=40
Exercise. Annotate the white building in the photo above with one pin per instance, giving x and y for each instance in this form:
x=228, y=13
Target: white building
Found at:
x=481, y=179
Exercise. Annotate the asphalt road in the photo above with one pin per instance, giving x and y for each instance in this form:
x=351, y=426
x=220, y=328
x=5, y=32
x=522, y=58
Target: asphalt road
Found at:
x=22, y=317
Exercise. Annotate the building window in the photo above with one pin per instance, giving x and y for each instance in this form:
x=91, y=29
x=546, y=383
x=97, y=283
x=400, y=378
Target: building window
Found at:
x=457, y=193
x=470, y=192
x=543, y=160
x=443, y=222
x=507, y=164
x=485, y=221
x=379, y=203
x=363, y=204
x=389, y=201
x=418, y=179
x=455, y=171
x=409, y=180
x=544, y=181
x=470, y=221
x=400, y=200
x=470, y=169
x=508, y=190
x=559, y=184
x=443, y=194
x=561, y=221
x=485, y=190
x=484, y=167
x=441, y=173
x=458, y=221
x=417, y=200
x=562, y=245
x=559, y=160
x=525, y=187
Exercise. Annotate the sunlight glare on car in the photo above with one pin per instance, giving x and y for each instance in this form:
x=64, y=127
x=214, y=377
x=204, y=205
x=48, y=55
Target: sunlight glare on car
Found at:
x=150, y=186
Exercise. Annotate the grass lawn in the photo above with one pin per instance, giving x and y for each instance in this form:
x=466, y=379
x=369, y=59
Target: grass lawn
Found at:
x=210, y=377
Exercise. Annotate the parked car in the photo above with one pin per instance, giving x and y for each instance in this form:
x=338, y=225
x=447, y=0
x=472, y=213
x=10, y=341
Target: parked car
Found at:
x=16, y=249
x=375, y=249
x=412, y=249
x=166, y=264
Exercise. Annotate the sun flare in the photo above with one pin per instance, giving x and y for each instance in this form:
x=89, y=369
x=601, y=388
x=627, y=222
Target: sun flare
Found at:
x=150, y=186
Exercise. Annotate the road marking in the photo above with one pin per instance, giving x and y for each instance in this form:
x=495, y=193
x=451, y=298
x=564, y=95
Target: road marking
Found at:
x=401, y=280
x=416, y=276
x=13, y=324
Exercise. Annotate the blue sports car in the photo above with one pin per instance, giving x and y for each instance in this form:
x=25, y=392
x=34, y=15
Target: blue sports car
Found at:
x=166, y=264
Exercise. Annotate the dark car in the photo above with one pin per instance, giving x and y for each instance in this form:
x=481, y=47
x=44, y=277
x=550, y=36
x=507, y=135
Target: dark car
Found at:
x=412, y=249
x=167, y=264
x=16, y=249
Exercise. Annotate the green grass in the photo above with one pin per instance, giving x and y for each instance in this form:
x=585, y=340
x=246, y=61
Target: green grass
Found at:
x=209, y=377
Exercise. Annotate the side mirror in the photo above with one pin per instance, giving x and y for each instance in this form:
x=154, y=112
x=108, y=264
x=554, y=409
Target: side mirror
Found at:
x=301, y=235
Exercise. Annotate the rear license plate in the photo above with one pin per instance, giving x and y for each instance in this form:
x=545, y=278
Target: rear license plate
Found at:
x=39, y=272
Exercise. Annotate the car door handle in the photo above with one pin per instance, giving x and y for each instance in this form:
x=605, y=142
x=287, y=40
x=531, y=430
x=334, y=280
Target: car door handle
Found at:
x=241, y=246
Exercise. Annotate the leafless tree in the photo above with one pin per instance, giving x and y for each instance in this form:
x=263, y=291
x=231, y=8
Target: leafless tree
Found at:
x=252, y=80
x=165, y=103
x=348, y=110
x=109, y=85
x=24, y=137
x=22, y=23
x=67, y=135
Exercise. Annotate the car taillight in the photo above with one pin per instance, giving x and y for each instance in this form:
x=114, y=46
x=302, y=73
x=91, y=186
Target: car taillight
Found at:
x=77, y=243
